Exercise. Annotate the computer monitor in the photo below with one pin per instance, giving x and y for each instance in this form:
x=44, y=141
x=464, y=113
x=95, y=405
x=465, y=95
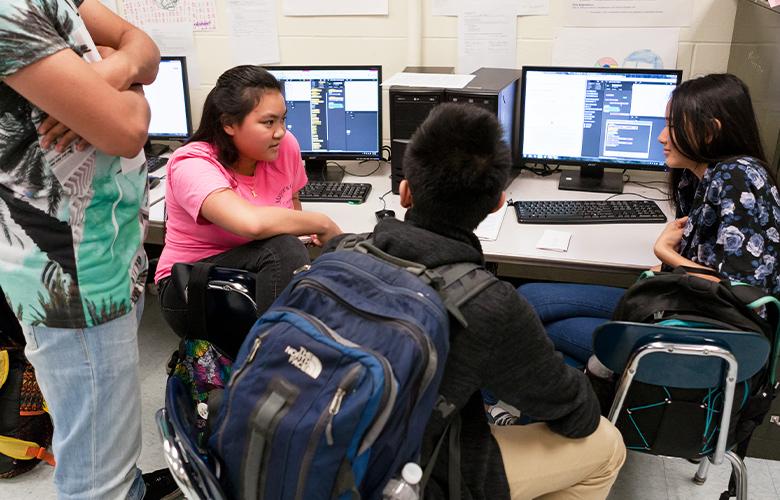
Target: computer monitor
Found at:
x=594, y=118
x=169, y=101
x=335, y=112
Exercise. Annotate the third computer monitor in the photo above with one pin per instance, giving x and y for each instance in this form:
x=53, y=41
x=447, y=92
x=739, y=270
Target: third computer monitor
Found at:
x=594, y=118
x=335, y=112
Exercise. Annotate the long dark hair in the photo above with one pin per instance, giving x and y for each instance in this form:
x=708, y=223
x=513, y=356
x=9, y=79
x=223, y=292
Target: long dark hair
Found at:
x=693, y=130
x=236, y=94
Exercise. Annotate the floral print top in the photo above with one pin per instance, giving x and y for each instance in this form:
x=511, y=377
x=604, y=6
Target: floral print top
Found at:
x=734, y=216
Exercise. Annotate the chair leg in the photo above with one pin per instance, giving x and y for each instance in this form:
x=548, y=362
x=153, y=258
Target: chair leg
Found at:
x=701, y=475
x=740, y=475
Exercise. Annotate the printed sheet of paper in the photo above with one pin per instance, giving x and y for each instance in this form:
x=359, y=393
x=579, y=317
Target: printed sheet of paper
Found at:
x=436, y=80
x=557, y=241
x=653, y=48
x=486, y=39
x=254, y=33
x=201, y=13
x=488, y=229
x=627, y=13
x=519, y=7
x=335, y=8
x=175, y=39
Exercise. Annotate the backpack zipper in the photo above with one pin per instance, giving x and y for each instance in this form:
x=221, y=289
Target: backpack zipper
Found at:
x=326, y=416
x=234, y=378
x=389, y=391
x=416, y=333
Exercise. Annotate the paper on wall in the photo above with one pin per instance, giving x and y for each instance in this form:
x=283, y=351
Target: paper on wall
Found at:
x=335, y=8
x=519, y=7
x=653, y=48
x=201, y=13
x=111, y=4
x=254, y=33
x=487, y=37
x=627, y=13
x=175, y=39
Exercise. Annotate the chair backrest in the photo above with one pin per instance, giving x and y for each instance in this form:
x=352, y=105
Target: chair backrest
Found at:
x=220, y=303
x=190, y=463
x=678, y=358
x=614, y=342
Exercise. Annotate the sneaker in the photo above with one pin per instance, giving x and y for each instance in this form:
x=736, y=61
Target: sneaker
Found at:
x=497, y=415
x=161, y=486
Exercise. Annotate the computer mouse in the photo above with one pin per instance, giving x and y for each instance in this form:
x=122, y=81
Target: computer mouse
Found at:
x=153, y=182
x=381, y=214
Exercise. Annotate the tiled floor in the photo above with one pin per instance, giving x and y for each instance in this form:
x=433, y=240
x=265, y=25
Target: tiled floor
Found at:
x=642, y=478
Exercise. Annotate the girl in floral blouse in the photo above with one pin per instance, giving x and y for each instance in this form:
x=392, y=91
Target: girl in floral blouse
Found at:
x=727, y=204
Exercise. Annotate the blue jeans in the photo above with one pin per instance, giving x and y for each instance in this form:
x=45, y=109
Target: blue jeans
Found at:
x=570, y=312
x=89, y=378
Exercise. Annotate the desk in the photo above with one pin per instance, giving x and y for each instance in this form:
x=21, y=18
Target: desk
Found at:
x=598, y=253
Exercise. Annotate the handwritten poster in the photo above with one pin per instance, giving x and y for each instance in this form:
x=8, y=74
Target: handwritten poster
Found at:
x=202, y=13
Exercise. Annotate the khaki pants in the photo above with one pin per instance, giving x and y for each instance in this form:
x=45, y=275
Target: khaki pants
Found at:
x=542, y=464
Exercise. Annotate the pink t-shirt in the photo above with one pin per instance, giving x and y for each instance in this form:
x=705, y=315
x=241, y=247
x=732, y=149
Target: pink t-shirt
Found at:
x=194, y=172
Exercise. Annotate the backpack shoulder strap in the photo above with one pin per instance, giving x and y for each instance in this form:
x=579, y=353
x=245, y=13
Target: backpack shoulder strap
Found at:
x=460, y=283
x=455, y=283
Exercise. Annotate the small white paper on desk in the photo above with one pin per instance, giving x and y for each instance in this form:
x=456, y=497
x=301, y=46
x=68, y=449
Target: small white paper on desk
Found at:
x=554, y=240
x=436, y=80
x=488, y=229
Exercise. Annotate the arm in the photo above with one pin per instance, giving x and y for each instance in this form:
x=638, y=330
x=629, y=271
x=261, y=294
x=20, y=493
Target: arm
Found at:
x=114, y=120
x=667, y=247
x=134, y=58
x=231, y=212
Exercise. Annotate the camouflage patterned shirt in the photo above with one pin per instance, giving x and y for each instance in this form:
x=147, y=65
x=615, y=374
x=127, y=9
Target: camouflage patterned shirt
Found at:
x=71, y=224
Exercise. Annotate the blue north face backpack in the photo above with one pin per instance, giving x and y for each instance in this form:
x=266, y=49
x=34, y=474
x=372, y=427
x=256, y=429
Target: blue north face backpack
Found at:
x=335, y=383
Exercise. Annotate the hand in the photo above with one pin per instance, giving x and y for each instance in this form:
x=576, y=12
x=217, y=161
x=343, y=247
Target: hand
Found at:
x=331, y=230
x=656, y=268
x=56, y=133
x=668, y=243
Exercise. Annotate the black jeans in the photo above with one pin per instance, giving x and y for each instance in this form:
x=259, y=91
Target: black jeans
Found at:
x=273, y=260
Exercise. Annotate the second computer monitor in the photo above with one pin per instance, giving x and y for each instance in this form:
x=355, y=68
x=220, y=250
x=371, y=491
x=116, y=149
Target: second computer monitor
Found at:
x=594, y=118
x=169, y=102
x=335, y=113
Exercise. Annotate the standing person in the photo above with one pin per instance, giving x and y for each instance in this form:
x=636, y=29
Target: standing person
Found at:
x=73, y=217
x=727, y=204
x=456, y=166
x=232, y=192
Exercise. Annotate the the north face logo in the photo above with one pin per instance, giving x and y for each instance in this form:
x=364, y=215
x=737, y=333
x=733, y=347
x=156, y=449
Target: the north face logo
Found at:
x=305, y=361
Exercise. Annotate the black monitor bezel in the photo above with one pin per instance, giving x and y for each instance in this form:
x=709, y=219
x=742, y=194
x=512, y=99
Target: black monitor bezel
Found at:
x=188, y=111
x=314, y=156
x=595, y=70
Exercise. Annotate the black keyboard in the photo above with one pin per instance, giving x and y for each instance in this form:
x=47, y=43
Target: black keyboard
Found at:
x=155, y=162
x=588, y=212
x=345, y=192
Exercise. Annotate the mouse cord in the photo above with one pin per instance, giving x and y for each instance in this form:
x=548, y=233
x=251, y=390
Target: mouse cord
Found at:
x=382, y=199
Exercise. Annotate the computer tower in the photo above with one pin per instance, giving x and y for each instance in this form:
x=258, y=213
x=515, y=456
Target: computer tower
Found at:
x=496, y=90
x=409, y=106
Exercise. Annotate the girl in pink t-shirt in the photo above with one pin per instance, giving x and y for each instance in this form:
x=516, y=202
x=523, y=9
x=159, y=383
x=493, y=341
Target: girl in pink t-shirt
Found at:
x=232, y=192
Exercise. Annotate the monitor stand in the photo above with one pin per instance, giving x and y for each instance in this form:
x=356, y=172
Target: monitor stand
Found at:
x=593, y=179
x=155, y=149
x=318, y=171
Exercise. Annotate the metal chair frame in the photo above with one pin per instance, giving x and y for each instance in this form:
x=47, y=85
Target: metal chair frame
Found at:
x=700, y=345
